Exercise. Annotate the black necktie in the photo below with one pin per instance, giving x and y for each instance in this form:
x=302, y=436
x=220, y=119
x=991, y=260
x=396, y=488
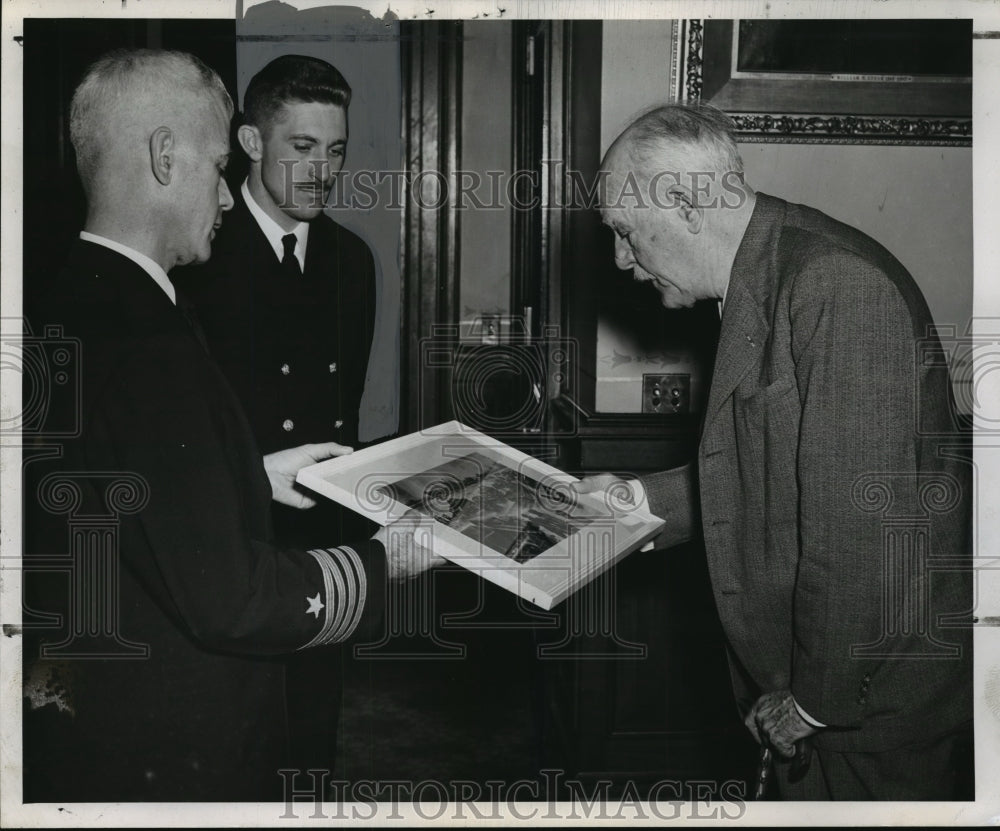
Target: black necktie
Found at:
x=186, y=308
x=289, y=262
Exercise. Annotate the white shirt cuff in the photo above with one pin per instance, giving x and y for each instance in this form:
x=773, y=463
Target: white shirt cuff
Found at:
x=638, y=494
x=806, y=716
x=639, y=500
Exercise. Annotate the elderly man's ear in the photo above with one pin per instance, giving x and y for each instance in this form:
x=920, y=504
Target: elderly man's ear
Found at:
x=161, y=154
x=688, y=209
x=251, y=141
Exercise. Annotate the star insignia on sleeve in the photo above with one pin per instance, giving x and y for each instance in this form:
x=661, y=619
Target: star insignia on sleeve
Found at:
x=315, y=605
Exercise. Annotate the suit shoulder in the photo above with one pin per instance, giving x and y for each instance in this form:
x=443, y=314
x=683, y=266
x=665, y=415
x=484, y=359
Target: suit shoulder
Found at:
x=819, y=253
x=824, y=274
x=810, y=235
x=335, y=233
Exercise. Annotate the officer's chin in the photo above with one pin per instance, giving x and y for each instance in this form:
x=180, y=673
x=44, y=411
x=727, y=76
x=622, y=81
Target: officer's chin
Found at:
x=202, y=255
x=305, y=214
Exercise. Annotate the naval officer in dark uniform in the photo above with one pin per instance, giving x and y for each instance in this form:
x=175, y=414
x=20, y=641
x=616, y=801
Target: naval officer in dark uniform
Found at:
x=157, y=600
x=288, y=306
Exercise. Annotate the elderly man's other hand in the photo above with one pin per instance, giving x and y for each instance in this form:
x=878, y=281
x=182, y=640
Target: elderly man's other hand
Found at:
x=283, y=466
x=408, y=546
x=614, y=485
x=774, y=720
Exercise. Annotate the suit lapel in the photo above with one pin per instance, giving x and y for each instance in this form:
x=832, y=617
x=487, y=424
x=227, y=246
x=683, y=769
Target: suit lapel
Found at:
x=250, y=237
x=741, y=340
x=187, y=310
x=745, y=327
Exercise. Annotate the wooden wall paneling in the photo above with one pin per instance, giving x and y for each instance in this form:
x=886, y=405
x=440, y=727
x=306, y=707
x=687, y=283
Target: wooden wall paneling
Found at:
x=432, y=100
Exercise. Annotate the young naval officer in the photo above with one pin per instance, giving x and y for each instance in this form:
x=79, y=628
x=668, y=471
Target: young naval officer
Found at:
x=158, y=681
x=287, y=303
x=829, y=466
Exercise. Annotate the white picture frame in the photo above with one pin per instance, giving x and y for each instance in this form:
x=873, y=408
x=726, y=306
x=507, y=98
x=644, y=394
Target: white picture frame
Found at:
x=505, y=515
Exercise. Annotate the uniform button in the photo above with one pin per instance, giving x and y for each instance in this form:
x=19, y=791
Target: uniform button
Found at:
x=288, y=425
x=338, y=424
x=333, y=367
x=285, y=369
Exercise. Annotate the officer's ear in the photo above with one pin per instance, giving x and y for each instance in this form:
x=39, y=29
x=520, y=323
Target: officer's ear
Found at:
x=161, y=154
x=690, y=212
x=251, y=141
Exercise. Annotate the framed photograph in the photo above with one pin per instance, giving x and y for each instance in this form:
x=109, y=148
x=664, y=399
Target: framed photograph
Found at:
x=494, y=510
x=834, y=81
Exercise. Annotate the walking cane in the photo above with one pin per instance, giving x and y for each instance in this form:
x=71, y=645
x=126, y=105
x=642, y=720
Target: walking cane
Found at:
x=764, y=771
x=765, y=766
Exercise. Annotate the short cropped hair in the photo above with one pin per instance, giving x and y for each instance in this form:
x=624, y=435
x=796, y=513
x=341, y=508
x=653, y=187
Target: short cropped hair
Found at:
x=292, y=79
x=122, y=82
x=698, y=127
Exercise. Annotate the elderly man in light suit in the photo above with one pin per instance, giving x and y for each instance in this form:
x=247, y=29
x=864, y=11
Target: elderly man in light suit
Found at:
x=822, y=410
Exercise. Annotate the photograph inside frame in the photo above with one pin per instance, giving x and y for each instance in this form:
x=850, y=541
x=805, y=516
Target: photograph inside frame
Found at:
x=494, y=505
x=502, y=514
x=696, y=296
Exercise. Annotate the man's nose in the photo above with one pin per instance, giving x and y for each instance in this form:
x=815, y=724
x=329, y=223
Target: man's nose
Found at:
x=623, y=254
x=225, y=197
x=319, y=168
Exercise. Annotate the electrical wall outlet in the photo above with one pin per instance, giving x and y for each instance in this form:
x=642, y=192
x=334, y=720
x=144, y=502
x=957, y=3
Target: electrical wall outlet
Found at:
x=666, y=393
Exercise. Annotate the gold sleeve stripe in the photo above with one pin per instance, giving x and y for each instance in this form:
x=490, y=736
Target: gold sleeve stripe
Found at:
x=346, y=594
x=356, y=575
x=345, y=589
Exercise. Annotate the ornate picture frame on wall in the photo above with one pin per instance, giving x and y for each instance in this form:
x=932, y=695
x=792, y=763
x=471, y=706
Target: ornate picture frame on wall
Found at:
x=833, y=81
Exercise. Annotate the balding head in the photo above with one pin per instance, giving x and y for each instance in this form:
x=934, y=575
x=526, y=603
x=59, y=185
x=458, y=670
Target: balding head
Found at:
x=682, y=137
x=126, y=95
x=675, y=197
x=151, y=134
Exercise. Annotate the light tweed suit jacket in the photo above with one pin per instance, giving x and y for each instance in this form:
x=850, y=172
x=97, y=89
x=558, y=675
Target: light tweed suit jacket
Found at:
x=833, y=487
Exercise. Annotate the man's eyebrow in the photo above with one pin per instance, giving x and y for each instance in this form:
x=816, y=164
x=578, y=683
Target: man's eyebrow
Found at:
x=314, y=140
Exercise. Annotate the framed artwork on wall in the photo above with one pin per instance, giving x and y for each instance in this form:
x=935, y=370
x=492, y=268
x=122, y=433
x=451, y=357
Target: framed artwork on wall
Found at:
x=833, y=81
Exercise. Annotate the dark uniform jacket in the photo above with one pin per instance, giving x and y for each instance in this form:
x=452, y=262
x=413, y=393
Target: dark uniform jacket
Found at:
x=834, y=487
x=295, y=349
x=200, y=586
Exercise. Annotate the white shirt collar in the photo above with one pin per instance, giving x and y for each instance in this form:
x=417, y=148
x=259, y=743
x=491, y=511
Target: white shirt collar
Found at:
x=152, y=268
x=274, y=232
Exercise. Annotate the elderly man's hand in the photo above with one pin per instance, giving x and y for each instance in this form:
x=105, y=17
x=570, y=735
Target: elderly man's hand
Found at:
x=601, y=482
x=282, y=467
x=619, y=493
x=774, y=720
x=408, y=546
